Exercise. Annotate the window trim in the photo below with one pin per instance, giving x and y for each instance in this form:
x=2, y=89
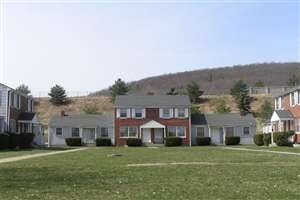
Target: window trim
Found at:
x=142, y=111
x=101, y=131
x=184, y=113
x=171, y=113
x=128, y=131
x=176, y=131
x=203, y=128
x=61, y=131
x=120, y=109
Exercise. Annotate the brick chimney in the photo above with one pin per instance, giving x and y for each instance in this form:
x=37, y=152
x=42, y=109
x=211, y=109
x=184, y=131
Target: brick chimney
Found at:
x=62, y=113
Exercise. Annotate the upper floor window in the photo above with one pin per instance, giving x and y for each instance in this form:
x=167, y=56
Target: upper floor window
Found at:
x=181, y=112
x=292, y=99
x=58, y=131
x=138, y=113
x=166, y=113
x=246, y=130
x=75, y=132
x=278, y=103
x=123, y=112
x=200, y=131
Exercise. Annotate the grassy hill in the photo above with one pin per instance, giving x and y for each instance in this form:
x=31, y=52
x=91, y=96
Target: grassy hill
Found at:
x=217, y=80
x=45, y=109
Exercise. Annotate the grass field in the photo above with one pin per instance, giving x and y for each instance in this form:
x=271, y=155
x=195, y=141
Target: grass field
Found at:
x=215, y=173
x=14, y=153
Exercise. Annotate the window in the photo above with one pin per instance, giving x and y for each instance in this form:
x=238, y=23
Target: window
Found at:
x=104, y=132
x=278, y=103
x=75, y=132
x=292, y=99
x=166, y=112
x=172, y=131
x=229, y=131
x=138, y=113
x=246, y=130
x=128, y=132
x=200, y=131
x=181, y=112
x=58, y=131
x=123, y=112
x=176, y=131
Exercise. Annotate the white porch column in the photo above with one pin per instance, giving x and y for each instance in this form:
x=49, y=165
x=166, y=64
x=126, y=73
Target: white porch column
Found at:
x=209, y=132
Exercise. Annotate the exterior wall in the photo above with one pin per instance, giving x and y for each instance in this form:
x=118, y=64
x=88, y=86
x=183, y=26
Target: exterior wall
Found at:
x=151, y=114
x=55, y=140
x=295, y=110
x=194, y=133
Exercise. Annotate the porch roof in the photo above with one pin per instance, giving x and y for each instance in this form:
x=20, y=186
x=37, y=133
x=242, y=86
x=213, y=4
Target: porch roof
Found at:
x=152, y=124
x=281, y=115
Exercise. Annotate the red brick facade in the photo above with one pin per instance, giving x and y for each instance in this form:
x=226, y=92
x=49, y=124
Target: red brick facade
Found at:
x=150, y=114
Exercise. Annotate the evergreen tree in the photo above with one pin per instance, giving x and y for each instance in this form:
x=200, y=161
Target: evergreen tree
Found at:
x=58, y=95
x=194, y=91
x=24, y=89
x=293, y=80
x=119, y=88
x=240, y=93
x=266, y=111
x=222, y=107
x=172, y=91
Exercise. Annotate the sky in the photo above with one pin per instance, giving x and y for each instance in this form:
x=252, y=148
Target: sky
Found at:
x=86, y=45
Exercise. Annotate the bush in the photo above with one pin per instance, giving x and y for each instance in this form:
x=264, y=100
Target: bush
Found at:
x=202, y=141
x=25, y=140
x=73, y=141
x=258, y=139
x=4, y=141
x=134, y=142
x=232, y=140
x=282, y=138
x=104, y=141
x=14, y=140
x=267, y=139
x=173, y=141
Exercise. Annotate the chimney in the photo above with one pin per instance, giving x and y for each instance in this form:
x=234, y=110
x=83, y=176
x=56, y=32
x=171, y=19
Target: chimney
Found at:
x=62, y=113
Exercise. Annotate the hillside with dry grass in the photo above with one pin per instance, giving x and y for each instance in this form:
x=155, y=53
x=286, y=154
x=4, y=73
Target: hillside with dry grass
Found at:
x=208, y=104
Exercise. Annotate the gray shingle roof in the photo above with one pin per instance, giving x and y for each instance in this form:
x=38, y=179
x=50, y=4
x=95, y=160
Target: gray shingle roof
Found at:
x=229, y=119
x=152, y=101
x=82, y=121
x=284, y=114
x=288, y=91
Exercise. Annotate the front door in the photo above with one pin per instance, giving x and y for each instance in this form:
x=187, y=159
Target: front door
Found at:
x=88, y=135
x=146, y=135
x=221, y=133
x=158, y=136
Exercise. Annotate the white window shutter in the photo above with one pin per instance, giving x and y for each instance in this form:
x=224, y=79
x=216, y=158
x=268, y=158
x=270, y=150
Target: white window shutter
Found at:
x=291, y=99
x=296, y=97
x=132, y=113
x=279, y=107
x=160, y=113
x=144, y=113
x=176, y=112
x=118, y=113
x=171, y=113
x=128, y=112
x=186, y=112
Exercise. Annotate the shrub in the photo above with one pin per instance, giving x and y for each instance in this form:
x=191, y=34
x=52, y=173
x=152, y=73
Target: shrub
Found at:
x=282, y=138
x=104, y=141
x=14, y=140
x=202, y=141
x=134, y=142
x=173, y=141
x=25, y=140
x=258, y=139
x=232, y=140
x=4, y=141
x=73, y=141
x=267, y=139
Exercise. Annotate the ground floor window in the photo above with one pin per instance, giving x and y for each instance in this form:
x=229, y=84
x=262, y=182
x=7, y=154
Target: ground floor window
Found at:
x=104, y=132
x=229, y=131
x=176, y=131
x=128, y=132
x=75, y=132
x=246, y=131
x=200, y=131
x=58, y=131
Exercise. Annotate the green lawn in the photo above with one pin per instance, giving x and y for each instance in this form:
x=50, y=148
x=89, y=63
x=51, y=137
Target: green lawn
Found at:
x=91, y=174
